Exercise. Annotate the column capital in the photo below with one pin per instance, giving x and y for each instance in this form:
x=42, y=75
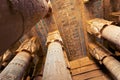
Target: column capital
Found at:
x=97, y=25
x=54, y=37
x=29, y=45
x=98, y=51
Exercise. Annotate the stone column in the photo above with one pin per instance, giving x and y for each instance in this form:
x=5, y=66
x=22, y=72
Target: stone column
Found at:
x=112, y=33
x=20, y=63
x=104, y=57
x=55, y=66
x=18, y=17
x=106, y=29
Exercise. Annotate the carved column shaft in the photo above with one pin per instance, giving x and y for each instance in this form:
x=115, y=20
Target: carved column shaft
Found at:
x=104, y=56
x=55, y=66
x=16, y=68
x=106, y=29
x=112, y=33
x=113, y=66
x=20, y=63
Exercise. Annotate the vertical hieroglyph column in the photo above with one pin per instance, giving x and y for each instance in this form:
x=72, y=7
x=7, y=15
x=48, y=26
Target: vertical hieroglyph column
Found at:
x=20, y=63
x=55, y=66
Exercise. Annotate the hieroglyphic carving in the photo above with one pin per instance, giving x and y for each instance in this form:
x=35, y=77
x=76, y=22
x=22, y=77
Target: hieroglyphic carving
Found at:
x=69, y=25
x=42, y=31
